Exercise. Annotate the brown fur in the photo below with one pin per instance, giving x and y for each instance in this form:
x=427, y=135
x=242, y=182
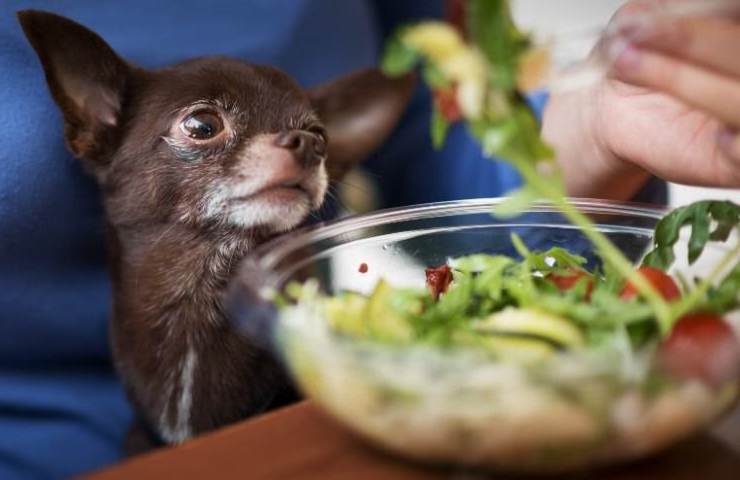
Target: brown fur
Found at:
x=170, y=259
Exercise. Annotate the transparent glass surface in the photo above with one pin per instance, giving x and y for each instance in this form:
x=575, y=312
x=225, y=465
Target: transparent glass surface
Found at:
x=572, y=411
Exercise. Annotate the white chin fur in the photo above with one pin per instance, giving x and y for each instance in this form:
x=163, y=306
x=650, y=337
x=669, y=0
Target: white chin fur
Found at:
x=278, y=217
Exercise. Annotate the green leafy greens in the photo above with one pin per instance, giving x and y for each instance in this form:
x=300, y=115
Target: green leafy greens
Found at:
x=698, y=216
x=500, y=305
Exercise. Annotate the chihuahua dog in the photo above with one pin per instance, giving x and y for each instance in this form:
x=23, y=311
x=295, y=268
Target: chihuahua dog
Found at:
x=198, y=163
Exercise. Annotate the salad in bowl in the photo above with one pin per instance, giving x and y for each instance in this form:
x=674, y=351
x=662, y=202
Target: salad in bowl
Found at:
x=444, y=334
x=534, y=333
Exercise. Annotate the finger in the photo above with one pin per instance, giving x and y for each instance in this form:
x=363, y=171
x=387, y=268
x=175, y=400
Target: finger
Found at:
x=710, y=42
x=713, y=92
x=637, y=11
x=729, y=142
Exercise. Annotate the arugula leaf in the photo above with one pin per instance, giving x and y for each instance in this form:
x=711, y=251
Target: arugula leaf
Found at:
x=725, y=297
x=515, y=137
x=520, y=246
x=555, y=259
x=726, y=214
x=642, y=333
x=699, y=232
x=698, y=216
x=509, y=129
x=434, y=77
x=398, y=59
x=440, y=127
x=604, y=311
x=610, y=281
x=492, y=28
x=516, y=203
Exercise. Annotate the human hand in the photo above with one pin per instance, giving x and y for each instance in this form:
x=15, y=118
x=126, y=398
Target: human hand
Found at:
x=669, y=107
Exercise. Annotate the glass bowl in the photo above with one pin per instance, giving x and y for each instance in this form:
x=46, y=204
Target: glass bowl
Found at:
x=574, y=410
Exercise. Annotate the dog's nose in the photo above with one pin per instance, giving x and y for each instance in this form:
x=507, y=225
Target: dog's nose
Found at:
x=304, y=145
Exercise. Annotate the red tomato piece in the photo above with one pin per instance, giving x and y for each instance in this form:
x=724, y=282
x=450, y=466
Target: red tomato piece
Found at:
x=438, y=280
x=662, y=282
x=363, y=268
x=569, y=280
x=445, y=99
x=702, y=346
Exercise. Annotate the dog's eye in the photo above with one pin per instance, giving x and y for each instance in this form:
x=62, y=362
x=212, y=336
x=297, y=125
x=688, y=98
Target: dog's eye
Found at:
x=202, y=125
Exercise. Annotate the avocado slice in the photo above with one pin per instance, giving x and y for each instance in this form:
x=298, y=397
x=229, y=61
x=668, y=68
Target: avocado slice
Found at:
x=532, y=323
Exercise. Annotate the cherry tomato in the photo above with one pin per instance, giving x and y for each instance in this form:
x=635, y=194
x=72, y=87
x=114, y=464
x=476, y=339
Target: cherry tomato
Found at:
x=702, y=346
x=570, y=279
x=658, y=279
x=445, y=99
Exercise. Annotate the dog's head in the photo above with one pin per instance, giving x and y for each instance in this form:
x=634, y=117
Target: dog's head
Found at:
x=212, y=142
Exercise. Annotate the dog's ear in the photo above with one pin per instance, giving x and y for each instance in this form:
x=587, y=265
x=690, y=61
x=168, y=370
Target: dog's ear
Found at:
x=359, y=111
x=85, y=76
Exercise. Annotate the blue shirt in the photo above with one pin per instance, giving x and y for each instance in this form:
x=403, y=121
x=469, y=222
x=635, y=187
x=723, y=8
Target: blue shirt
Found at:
x=62, y=410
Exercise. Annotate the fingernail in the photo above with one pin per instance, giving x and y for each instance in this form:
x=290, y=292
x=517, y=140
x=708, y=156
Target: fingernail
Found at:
x=627, y=58
x=636, y=28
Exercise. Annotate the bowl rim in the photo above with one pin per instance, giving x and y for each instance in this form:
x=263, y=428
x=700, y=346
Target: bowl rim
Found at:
x=265, y=255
